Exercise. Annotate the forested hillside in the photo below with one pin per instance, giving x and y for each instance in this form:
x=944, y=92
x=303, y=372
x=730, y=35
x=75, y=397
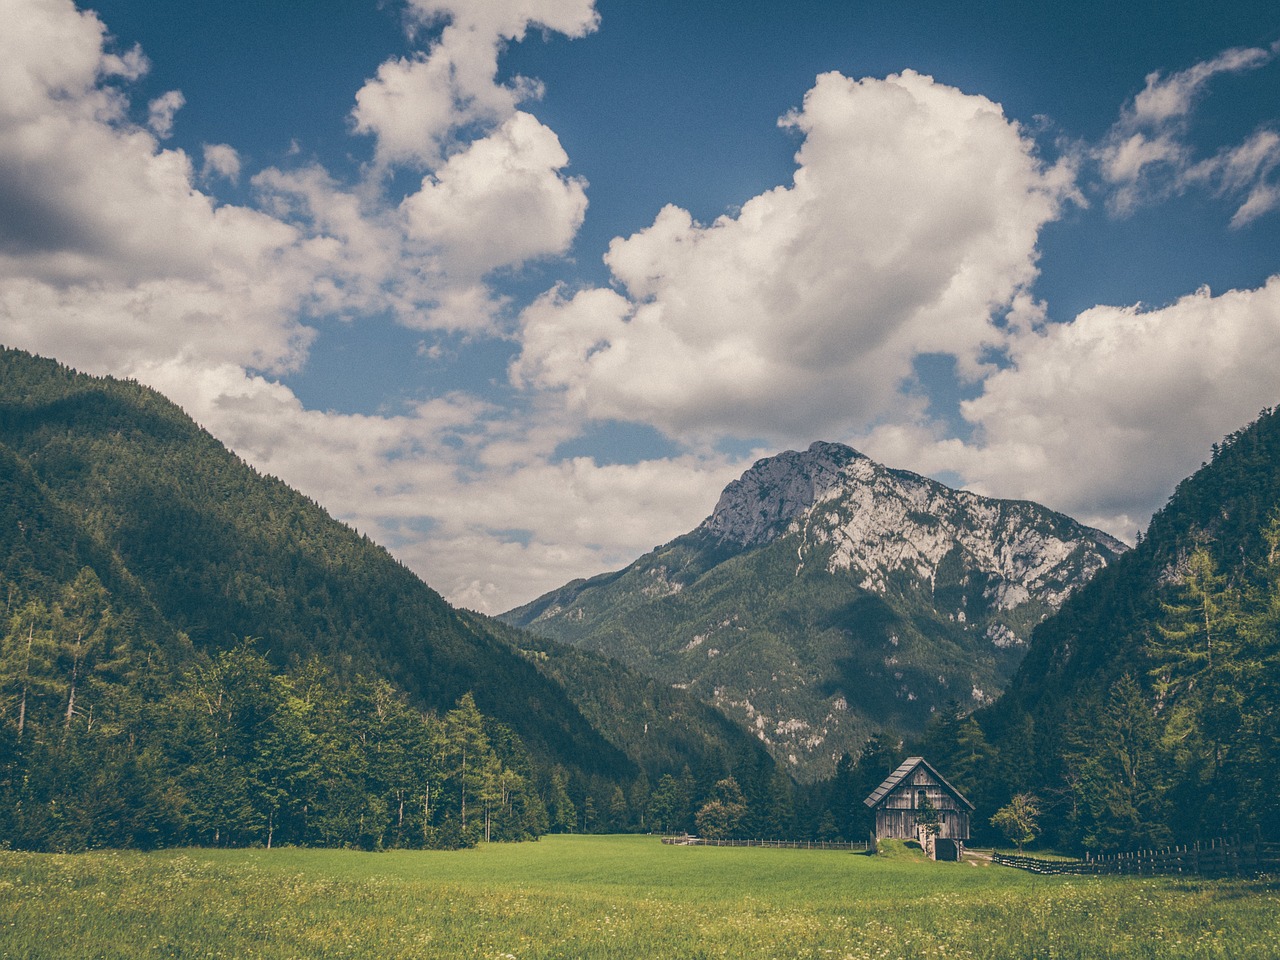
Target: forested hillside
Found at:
x=222, y=553
x=1148, y=709
x=195, y=653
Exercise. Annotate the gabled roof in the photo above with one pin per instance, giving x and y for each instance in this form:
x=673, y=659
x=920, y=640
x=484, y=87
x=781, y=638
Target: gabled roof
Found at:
x=904, y=769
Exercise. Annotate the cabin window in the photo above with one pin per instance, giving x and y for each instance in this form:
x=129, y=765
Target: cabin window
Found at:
x=922, y=797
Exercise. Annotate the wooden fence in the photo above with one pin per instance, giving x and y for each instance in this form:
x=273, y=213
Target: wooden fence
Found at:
x=1215, y=858
x=687, y=841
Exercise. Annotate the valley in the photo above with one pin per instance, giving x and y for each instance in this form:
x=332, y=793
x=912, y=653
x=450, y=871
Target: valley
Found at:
x=193, y=653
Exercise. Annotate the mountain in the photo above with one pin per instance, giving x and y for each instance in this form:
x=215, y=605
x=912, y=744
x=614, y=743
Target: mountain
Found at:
x=137, y=554
x=828, y=597
x=1147, y=710
x=109, y=475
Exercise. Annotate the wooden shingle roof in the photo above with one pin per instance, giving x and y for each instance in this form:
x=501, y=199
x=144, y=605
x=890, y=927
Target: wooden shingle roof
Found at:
x=904, y=770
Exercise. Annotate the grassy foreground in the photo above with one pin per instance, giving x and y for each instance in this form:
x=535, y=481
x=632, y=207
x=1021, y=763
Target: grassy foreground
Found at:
x=606, y=897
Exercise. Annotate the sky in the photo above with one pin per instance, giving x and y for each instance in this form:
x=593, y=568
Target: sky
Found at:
x=516, y=287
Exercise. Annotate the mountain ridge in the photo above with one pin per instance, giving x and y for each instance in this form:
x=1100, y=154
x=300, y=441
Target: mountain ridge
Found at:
x=917, y=593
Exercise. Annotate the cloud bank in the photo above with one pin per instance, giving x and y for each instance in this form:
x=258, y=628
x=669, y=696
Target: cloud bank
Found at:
x=1100, y=417
x=910, y=227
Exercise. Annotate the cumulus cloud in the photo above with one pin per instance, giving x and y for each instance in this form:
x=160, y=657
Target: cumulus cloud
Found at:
x=500, y=202
x=108, y=256
x=1148, y=155
x=161, y=111
x=1102, y=416
x=910, y=226
x=495, y=194
x=221, y=160
x=415, y=106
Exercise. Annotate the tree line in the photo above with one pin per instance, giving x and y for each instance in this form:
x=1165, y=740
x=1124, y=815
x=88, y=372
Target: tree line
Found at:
x=103, y=743
x=108, y=739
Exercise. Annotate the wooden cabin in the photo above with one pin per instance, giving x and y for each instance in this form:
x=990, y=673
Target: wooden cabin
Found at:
x=904, y=792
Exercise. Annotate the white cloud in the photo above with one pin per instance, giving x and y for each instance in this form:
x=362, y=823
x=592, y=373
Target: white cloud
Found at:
x=162, y=110
x=1102, y=416
x=1148, y=154
x=1249, y=170
x=509, y=20
x=911, y=222
x=111, y=257
x=108, y=255
x=49, y=46
x=500, y=202
x=221, y=160
x=1166, y=98
x=416, y=105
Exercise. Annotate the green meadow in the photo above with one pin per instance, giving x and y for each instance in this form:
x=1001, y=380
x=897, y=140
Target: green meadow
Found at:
x=606, y=897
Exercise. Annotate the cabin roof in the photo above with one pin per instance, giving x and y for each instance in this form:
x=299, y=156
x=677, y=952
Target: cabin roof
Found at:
x=905, y=769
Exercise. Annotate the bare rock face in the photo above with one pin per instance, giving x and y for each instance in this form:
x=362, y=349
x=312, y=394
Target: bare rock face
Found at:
x=827, y=597
x=761, y=505
x=847, y=512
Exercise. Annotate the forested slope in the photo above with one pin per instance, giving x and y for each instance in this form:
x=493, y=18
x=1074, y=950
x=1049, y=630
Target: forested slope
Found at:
x=224, y=553
x=195, y=653
x=1147, y=709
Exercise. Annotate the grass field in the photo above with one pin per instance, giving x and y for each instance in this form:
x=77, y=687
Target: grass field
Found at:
x=607, y=897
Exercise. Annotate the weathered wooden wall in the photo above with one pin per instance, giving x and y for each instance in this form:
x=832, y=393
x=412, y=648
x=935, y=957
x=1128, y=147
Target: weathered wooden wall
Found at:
x=896, y=813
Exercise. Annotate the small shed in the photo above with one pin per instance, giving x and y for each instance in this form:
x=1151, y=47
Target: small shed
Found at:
x=915, y=785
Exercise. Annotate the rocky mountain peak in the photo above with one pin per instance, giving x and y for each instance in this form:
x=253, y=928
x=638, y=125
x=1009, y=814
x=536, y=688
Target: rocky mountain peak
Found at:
x=847, y=512
x=760, y=506
x=828, y=596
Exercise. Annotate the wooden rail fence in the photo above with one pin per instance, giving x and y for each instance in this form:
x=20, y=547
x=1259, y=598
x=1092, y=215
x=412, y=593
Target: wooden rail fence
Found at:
x=1215, y=858
x=687, y=841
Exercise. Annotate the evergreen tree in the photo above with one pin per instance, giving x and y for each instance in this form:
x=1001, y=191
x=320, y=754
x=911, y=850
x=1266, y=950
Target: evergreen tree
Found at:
x=1197, y=626
x=562, y=813
x=668, y=805
x=1117, y=773
x=781, y=813
x=29, y=677
x=1198, y=687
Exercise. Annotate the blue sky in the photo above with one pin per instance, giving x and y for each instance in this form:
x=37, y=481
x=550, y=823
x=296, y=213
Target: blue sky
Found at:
x=517, y=286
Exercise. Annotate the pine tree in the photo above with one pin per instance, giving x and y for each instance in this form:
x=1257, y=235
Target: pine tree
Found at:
x=1196, y=628
x=1117, y=772
x=1198, y=688
x=668, y=804
x=560, y=808
x=29, y=681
